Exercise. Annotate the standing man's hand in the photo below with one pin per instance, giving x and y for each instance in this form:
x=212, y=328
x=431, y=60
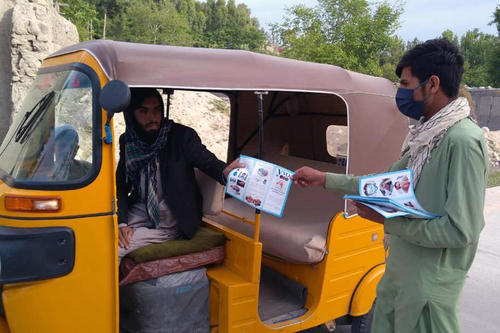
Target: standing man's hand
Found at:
x=233, y=165
x=307, y=176
x=124, y=235
x=368, y=213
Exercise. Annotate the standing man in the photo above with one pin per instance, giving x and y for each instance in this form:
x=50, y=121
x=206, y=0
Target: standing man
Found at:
x=428, y=259
x=158, y=197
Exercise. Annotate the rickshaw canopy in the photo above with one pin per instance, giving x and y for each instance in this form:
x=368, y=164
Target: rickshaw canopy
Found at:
x=376, y=128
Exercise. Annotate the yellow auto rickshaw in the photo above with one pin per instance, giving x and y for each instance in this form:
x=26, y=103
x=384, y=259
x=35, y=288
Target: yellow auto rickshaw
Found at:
x=58, y=222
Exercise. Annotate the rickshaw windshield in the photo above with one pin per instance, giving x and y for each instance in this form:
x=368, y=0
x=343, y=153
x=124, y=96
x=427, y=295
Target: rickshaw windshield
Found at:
x=50, y=140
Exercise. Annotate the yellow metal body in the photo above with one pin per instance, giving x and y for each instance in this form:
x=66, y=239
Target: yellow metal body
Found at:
x=86, y=300
x=343, y=283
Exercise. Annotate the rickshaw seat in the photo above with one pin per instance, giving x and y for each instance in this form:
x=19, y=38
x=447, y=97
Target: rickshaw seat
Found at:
x=300, y=235
x=156, y=260
x=212, y=193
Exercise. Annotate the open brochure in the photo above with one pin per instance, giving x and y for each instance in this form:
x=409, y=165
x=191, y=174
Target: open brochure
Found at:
x=390, y=194
x=260, y=184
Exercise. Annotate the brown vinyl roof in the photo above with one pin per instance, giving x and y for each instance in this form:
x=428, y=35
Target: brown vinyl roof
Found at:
x=218, y=69
x=376, y=128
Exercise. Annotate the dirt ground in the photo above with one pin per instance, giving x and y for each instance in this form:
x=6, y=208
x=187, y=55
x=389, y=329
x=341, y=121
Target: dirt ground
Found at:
x=493, y=138
x=207, y=113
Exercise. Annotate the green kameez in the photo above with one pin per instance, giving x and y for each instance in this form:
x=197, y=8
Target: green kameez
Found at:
x=429, y=259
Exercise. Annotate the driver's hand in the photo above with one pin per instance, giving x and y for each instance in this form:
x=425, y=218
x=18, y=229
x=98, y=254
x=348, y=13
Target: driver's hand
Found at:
x=124, y=235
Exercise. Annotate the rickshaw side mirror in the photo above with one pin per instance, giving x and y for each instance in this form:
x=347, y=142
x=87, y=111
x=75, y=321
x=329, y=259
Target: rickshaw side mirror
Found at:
x=115, y=96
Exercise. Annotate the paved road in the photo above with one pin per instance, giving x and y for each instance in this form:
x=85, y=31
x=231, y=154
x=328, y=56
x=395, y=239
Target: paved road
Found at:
x=480, y=301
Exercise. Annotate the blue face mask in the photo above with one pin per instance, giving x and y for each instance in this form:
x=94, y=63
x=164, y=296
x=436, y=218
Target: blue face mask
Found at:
x=406, y=104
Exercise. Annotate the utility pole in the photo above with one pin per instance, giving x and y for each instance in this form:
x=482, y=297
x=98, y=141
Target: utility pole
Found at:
x=91, y=32
x=104, y=23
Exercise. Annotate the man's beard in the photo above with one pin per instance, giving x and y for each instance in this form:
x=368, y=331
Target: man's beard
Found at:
x=151, y=135
x=147, y=136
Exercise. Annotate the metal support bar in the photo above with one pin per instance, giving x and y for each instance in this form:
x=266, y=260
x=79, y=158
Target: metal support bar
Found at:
x=260, y=97
x=272, y=110
x=169, y=93
x=256, y=227
x=242, y=219
x=260, y=100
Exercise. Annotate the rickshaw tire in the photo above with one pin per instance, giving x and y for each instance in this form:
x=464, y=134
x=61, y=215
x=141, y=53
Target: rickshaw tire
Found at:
x=363, y=324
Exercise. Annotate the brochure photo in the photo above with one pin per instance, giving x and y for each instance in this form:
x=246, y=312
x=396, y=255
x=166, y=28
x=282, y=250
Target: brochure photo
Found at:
x=260, y=184
x=390, y=194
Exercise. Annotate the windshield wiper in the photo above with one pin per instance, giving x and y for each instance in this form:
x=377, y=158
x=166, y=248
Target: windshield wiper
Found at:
x=32, y=117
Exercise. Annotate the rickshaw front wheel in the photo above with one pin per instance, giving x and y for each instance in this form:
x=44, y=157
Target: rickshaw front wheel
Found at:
x=363, y=324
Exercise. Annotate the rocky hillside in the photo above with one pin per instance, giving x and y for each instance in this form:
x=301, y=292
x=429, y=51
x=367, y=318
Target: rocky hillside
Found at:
x=493, y=139
x=207, y=113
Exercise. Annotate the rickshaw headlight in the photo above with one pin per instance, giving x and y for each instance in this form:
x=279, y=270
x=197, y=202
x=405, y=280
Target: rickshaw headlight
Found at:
x=32, y=204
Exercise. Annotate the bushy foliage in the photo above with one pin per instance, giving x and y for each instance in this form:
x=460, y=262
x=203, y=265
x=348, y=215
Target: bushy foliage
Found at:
x=494, y=61
x=151, y=22
x=83, y=15
x=478, y=50
x=214, y=23
x=354, y=34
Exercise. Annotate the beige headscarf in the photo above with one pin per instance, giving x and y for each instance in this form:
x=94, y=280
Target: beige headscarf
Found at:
x=424, y=136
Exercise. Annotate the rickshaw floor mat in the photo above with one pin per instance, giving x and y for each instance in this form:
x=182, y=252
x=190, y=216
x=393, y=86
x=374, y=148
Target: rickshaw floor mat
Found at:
x=280, y=298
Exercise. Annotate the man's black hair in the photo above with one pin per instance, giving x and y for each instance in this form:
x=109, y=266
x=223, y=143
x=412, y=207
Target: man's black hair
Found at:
x=137, y=97
x=438, y=57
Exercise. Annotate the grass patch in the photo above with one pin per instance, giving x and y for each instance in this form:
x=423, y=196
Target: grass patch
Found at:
x=219, y=105
x=494, y=179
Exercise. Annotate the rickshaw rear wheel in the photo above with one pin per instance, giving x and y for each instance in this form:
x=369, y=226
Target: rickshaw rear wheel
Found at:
x=363, y=324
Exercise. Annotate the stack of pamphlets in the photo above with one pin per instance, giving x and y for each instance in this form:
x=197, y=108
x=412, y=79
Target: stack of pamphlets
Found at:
x=390, y=194
x=260, y=184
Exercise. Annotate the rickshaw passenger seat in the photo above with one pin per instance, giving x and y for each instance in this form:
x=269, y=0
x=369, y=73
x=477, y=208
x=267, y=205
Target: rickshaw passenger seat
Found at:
x=212, y=193
x=300, y=235
x=207, y=247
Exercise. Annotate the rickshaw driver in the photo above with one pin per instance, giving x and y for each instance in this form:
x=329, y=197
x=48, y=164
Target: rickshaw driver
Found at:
x=428, y=259
x=157, y=157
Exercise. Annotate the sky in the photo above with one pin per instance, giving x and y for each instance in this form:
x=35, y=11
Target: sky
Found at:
x=422, y=19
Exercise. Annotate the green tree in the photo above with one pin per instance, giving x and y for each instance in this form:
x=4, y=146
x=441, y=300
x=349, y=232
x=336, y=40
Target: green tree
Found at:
x=151, y=22
x=477, y=50
x=449, y=35
x=350, y=33
x=214, y=23
x=389, y=58
x=187, y=8
x=496, y=19
x=413, y=43
x=493, y=64
x=230, y=26
x=107, y=9
x=83, y=15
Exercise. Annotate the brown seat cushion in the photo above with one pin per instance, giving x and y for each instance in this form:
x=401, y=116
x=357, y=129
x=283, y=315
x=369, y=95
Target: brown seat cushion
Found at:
x=135, y=272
